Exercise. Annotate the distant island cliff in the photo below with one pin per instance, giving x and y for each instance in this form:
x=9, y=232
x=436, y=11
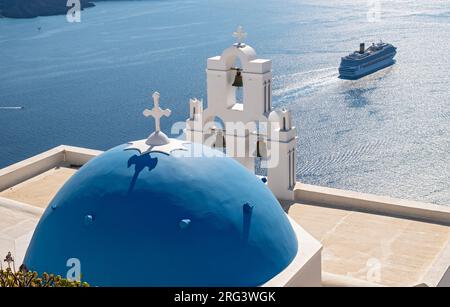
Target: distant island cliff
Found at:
x=35, y=8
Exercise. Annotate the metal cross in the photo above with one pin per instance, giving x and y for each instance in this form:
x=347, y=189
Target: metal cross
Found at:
x=157, y=112
x=240, y=35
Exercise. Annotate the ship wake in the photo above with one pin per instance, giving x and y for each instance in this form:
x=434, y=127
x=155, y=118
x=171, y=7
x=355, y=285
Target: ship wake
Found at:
x=304, y=83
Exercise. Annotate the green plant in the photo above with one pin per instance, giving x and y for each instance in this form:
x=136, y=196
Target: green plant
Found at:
x=9, y=277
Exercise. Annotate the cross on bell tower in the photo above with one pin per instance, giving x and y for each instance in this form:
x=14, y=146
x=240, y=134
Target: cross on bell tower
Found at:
x=158, y=137
x=240, y=35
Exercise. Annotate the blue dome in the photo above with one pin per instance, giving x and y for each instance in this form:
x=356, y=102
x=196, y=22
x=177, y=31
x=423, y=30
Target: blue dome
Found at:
x=164, y=220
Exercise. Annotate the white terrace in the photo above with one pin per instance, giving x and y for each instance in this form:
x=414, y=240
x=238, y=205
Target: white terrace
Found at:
x=367, y=240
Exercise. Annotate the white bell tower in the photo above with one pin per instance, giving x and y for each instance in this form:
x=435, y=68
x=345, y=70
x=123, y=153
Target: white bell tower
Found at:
x=247, y=121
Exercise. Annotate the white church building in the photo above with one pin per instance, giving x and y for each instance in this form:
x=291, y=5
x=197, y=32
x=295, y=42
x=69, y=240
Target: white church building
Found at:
x=219, y=207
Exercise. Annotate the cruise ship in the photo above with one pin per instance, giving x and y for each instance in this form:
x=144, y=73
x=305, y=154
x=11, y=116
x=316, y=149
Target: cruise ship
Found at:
x=366, y=61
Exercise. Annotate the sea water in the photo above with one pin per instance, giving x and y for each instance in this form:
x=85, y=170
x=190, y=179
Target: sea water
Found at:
x=86, y=84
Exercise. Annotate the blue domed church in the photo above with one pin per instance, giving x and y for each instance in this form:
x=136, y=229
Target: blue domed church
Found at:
x=164, y=212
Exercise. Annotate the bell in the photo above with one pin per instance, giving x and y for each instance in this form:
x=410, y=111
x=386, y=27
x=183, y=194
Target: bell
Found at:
x=238, y=79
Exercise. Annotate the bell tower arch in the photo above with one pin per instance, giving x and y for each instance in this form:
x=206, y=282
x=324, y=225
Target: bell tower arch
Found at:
x=256, y=76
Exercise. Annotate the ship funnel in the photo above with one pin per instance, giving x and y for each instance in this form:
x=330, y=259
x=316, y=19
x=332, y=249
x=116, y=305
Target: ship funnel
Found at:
x=362, y=48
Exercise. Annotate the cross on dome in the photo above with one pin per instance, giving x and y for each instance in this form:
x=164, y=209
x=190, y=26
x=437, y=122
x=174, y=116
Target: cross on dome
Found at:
x=158, y=140
x=240, y=35
x=157, y=112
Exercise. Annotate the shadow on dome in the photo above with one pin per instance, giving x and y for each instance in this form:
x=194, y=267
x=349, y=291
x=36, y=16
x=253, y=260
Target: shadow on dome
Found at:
x=140, y=162
x=247, y=212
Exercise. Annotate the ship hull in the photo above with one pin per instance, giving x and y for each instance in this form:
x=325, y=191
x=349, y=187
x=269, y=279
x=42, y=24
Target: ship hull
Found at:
x=362, y=72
